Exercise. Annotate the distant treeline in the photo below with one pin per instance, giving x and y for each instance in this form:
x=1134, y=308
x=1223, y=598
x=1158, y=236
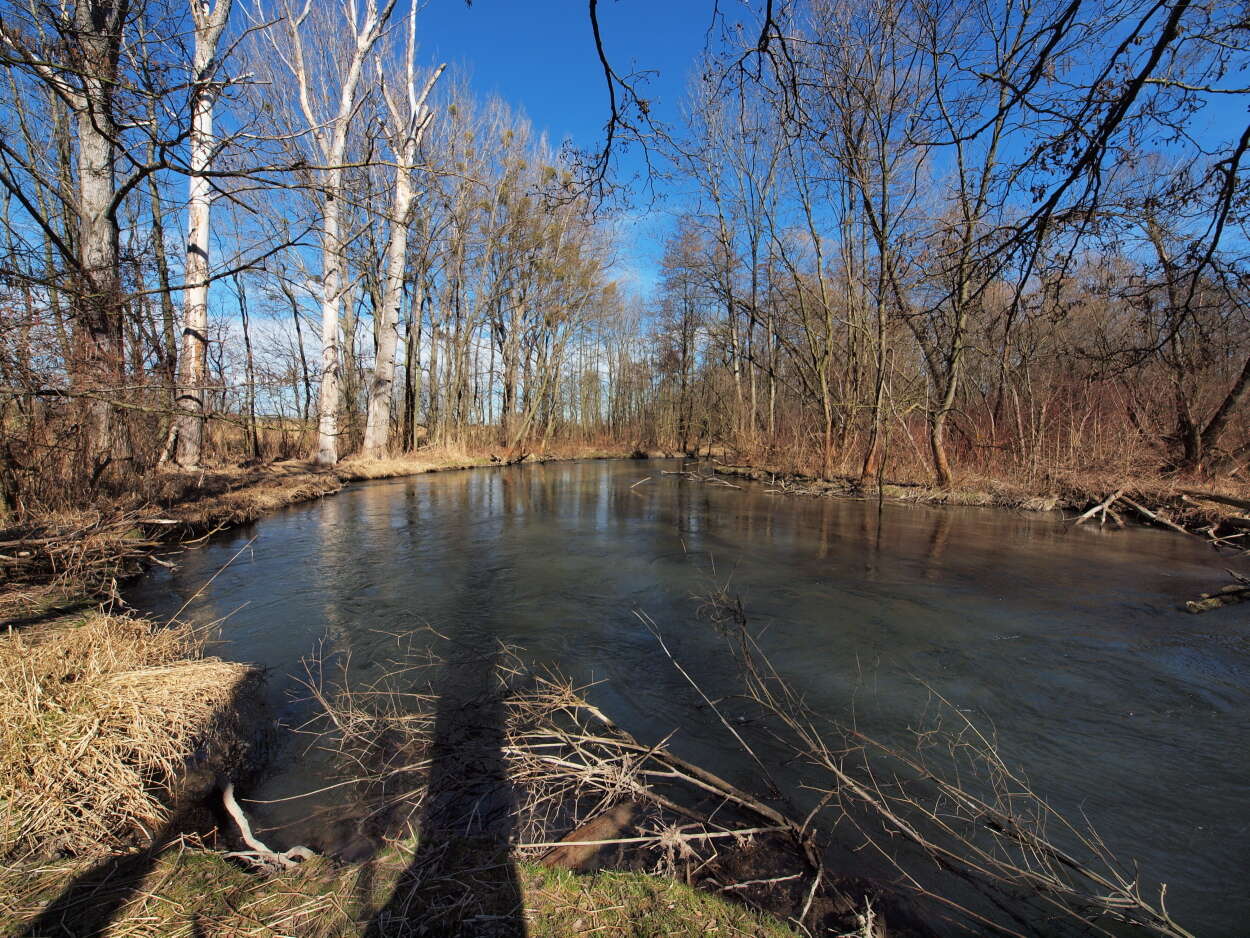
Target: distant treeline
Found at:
x=924, y=237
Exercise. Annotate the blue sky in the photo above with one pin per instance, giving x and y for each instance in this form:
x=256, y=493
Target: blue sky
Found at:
x=539, y=55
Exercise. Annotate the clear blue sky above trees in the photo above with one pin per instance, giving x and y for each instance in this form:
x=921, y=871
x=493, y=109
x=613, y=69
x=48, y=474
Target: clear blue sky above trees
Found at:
x=540, y=56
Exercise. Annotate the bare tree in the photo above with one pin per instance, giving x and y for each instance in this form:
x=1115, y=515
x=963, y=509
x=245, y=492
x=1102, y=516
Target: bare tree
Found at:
x=328, y=120
x=409, y=120
x=209, y=22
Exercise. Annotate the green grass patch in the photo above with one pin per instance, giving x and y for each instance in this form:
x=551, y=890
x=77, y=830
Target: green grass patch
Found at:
x=195, y=893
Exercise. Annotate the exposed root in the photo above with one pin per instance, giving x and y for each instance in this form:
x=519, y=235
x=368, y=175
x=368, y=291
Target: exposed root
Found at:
x=259, y=856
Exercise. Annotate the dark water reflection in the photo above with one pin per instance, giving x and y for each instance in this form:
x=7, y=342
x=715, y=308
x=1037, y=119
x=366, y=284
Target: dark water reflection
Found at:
x=1068, y=640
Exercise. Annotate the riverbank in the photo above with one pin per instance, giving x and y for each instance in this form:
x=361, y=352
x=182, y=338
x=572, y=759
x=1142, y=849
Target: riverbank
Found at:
x=197, y=893
x=1219, y=513
x=55, y=562
x=117, y=738
x=120, y=733
x=221, y=497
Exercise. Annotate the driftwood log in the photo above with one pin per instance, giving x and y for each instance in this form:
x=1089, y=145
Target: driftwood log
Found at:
x=1230, y=595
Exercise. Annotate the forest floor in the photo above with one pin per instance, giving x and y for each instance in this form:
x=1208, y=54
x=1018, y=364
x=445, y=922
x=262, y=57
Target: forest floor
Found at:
x=56, y=572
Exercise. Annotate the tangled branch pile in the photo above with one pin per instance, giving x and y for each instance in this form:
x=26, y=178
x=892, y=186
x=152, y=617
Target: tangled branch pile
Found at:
x=489, y=763
x=102, y=722
x=518, y=760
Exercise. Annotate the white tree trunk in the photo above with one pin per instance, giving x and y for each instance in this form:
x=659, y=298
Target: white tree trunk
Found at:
x=193, y=370
x=331, y=301
x=377, y=424
x=378, y=421
x=99, y=323
x=332, y=139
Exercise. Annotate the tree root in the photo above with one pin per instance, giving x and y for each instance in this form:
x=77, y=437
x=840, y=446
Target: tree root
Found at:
x=260, y=856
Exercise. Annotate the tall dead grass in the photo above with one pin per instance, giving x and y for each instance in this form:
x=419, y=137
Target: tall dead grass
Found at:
x=102, y=722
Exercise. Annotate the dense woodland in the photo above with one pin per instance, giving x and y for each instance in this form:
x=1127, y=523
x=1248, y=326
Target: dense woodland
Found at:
x=913, y=238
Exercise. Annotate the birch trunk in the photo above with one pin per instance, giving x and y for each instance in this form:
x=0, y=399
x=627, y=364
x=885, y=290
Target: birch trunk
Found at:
x=331, y=303
x=193, y=368
x=331, y=137
x=378, y=421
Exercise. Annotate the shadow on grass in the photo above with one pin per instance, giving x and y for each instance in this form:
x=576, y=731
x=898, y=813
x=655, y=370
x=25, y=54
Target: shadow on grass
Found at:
x=461, y=880
x=64, y=609
x=89, y=905
x=95, y=899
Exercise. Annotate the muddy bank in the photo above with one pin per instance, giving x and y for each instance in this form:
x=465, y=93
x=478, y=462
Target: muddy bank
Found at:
x=1219, y=515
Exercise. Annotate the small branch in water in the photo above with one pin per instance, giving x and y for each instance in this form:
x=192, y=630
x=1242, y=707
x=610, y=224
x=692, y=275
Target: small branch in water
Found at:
x=656, y=838
x=1153, y=516
x=693, y=475
x=1226, y=596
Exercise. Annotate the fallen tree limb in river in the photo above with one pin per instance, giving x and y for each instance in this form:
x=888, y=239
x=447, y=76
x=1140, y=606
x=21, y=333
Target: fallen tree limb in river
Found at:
x=1230, y=595
x=950, y=799
x=1103, y=507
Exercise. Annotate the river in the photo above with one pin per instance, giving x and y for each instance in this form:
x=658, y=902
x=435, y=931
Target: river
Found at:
x=1066, y=640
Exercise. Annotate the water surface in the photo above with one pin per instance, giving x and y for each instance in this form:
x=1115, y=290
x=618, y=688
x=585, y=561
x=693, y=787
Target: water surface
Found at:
x=1067, y=640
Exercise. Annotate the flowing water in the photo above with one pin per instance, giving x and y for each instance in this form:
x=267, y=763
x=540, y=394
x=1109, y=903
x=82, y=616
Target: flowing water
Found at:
x=1067, y=640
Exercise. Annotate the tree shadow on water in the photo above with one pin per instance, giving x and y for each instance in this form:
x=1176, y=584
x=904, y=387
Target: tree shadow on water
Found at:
x=462, y=880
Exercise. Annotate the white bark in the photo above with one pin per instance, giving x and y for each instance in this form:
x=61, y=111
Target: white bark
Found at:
x=192, y=372
x=409, y=126
x=331, y=137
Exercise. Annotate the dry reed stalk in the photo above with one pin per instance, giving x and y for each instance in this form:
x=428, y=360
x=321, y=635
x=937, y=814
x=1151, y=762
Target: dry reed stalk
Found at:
x=953, y=798
x=102, y=720
x=564, y=763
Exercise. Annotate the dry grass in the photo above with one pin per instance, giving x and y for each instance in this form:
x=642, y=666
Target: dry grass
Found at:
x=193, y=893
x=102, y=721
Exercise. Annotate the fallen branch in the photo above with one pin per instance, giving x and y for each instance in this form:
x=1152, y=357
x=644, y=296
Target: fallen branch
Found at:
x=1104, y=507
x=1156, y=518
x=1228, y=500
x=260, y=855
x=1226, y=596
x=657, y=838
